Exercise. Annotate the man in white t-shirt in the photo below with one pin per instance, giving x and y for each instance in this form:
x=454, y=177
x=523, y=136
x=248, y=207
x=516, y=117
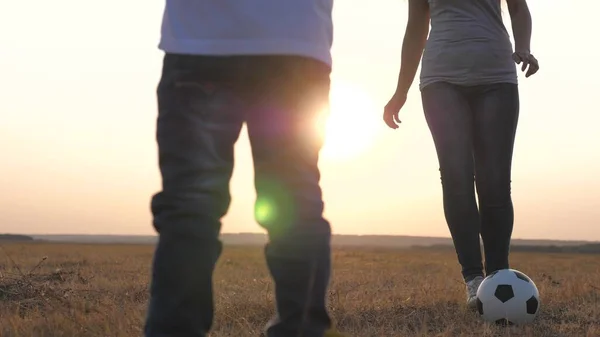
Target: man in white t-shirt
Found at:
x=265, y=63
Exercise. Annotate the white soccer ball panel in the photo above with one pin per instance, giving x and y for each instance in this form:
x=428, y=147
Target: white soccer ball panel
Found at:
x=508, y=295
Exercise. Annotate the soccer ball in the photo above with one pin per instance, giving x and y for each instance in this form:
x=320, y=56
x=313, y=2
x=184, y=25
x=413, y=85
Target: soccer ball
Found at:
x=508, y=297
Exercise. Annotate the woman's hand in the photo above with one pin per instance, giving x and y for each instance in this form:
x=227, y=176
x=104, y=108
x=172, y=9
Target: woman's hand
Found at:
x=392, y=109
x=521, y=26
x=415, y=36
x=528, y=60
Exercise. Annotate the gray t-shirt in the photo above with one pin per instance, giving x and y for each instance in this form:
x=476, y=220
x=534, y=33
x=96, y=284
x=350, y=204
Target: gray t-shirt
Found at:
x=468, y=44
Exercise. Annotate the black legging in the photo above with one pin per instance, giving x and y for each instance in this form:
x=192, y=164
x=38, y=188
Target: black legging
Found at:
x=473, y=129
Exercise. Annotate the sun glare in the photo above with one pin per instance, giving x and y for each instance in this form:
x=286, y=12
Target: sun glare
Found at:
x=351, y=126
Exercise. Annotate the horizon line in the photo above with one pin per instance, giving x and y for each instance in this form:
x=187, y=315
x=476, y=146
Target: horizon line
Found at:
x=333, y=235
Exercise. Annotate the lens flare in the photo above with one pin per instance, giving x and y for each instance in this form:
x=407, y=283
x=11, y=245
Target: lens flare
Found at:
x=350, y=127
x=265, y=211
x=274, y=209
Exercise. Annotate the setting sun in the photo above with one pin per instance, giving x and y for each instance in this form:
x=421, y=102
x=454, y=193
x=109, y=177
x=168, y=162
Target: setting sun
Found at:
x=351, y=127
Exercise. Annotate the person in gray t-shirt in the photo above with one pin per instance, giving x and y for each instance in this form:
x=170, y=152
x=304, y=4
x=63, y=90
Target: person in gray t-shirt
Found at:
x=470, y=97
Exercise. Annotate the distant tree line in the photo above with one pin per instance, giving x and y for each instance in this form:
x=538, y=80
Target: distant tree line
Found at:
x=15, y=237
x=592, y=248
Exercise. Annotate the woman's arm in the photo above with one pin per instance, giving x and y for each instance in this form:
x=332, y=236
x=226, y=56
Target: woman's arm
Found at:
x=415, y=37
x=413, y=44
x=521, y=25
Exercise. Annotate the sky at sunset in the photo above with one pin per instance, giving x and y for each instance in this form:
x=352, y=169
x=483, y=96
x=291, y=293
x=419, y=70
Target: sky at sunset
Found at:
x=78, y=112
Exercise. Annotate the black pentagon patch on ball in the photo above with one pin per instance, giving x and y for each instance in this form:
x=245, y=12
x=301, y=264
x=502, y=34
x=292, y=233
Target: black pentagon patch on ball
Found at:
x=504, y=292
x=504, y=322
x=532, y=305
x=479, y=306
x=522, y=276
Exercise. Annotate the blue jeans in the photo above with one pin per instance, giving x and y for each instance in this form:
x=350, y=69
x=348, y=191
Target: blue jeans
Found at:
x=203, y=102
x=473, y=129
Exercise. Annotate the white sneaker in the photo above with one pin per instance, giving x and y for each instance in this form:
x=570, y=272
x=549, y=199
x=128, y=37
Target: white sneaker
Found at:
x=472, y=287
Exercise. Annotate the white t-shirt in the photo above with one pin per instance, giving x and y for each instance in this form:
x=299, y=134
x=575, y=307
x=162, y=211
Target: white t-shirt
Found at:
x=248, y=27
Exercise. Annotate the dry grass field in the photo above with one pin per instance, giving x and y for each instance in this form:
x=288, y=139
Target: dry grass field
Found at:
x=101, y=290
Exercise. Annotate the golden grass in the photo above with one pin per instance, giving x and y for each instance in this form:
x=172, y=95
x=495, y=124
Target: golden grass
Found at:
x=101, y=290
